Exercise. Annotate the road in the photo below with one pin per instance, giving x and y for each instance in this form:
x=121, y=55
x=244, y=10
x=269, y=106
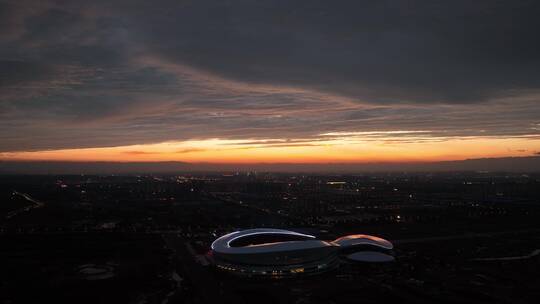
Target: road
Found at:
x=35, y=204
x=461, y=236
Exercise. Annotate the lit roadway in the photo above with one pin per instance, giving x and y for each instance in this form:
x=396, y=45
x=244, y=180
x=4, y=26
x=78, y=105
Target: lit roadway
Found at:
x=471, y=235
x=35, y=204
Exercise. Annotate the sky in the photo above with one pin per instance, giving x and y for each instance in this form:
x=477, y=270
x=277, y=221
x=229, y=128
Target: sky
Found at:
x=269, y=81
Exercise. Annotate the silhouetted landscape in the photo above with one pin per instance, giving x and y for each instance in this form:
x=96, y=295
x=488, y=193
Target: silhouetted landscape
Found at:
x=507, y=164
x=460, y=237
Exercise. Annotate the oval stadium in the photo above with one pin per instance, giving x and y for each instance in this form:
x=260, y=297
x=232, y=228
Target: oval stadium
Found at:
x=266, y=252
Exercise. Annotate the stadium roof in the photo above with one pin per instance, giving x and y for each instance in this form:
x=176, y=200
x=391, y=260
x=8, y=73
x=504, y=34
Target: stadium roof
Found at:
x=223, y=243
x=363, y=239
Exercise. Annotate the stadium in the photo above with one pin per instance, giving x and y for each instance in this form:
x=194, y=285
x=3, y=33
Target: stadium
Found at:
x=265, y=252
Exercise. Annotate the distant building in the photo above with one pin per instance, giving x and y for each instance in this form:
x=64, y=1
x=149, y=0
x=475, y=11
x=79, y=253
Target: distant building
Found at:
x=266, y=252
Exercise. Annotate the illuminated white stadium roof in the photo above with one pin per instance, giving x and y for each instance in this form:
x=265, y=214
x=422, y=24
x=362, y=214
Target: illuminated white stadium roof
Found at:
x=223, y=243
x=266, y=252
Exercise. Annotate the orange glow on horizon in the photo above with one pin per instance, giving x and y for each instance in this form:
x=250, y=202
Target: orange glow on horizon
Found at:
x=347, y=148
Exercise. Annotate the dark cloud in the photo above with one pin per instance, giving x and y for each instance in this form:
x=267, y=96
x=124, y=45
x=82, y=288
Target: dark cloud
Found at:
x=17, y=72
x=384, y=51
x=190, y=150
x=108, y=73
x=140, y=152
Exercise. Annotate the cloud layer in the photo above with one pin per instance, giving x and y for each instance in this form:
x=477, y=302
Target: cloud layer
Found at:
x=101, y=73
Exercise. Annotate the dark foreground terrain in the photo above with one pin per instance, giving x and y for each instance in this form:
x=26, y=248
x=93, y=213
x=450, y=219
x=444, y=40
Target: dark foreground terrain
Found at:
x=459, y=237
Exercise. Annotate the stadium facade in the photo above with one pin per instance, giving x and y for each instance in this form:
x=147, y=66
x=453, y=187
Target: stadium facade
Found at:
x=265, y=252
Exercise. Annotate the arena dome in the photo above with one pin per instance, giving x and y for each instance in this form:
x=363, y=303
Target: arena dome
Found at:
x=283, y=253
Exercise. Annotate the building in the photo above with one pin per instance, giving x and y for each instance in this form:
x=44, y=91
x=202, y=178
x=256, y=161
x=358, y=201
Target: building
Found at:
x=266, y=252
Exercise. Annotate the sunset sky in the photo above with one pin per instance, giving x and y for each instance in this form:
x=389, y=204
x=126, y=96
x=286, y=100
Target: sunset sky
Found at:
x=269, y=81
